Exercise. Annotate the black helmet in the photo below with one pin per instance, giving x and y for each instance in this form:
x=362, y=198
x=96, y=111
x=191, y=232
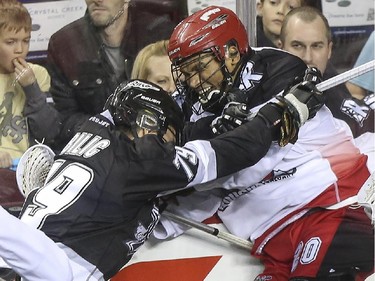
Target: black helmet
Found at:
x=146, y=105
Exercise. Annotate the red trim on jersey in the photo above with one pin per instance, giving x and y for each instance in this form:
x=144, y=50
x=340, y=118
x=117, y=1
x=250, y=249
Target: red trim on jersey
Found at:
x=318, y=244
x=347, y=185
x=214, y=219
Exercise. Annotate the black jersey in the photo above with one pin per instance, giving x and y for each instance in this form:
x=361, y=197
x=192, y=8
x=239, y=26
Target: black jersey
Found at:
x=344, y=106
x=99, y=197
x=264, y=73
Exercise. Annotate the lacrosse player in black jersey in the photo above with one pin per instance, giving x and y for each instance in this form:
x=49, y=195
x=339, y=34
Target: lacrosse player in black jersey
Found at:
x=99, y=201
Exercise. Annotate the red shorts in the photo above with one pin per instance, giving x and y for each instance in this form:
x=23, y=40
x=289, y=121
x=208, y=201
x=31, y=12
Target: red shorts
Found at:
x=320, y=244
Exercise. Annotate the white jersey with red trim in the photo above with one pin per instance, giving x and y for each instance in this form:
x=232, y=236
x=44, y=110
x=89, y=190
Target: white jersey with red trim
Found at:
x=287, y=180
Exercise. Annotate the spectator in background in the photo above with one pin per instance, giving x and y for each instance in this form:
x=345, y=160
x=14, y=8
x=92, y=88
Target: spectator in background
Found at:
x=363, y=85
x=306, y=34
x=270, y=17
x=89, y=57
x=25, y=116
x=152, y=64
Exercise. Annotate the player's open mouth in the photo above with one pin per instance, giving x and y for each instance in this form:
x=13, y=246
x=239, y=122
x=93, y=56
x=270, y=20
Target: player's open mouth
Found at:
x=204, y=91
x=205, y=94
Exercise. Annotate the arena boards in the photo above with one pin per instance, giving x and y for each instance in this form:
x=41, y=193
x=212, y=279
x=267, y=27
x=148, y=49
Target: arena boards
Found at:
x=193, y=256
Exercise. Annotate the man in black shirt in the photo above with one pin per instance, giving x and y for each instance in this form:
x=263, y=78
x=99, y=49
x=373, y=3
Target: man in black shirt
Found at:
x=314, y=47
x=88, y=58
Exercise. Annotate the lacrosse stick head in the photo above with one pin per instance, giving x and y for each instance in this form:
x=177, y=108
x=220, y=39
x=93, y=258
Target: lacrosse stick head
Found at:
x=366, y=197
x=33, y=168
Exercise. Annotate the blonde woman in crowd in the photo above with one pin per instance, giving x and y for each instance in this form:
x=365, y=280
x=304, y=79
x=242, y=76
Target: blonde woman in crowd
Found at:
x=152, y=64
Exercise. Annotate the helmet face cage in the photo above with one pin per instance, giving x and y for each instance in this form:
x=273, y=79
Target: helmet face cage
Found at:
x=143, y=104
x=150, y=121
x=147, y=120
x=208, y=100
x=211, y=29
x=151, y=117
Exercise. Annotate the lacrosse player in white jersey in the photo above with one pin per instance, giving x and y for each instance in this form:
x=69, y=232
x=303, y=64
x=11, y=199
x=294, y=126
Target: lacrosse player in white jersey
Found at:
x=295, y=203
x=99, y=202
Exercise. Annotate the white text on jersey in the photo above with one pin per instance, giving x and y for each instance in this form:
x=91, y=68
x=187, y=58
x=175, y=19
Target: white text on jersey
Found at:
x=86, y=145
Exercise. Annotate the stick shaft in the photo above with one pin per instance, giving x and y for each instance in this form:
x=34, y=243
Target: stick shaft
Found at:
x=210, y=230
x=345, y=76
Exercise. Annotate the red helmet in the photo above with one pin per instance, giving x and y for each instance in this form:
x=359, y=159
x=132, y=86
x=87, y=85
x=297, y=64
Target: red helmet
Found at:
x=211, y=28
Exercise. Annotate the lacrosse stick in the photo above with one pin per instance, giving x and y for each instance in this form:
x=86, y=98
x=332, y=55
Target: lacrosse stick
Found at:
x=366, y=197
x=243, y=243
x=345, y=76
x=33, y=168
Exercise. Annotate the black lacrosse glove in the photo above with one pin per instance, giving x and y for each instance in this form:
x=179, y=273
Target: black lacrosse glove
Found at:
x=300, y=104
x=216, y=100
x=237, y=96
x=234, y=115
x=284, y=129
x=313, y=75
x=304, y=99
x=296, y=105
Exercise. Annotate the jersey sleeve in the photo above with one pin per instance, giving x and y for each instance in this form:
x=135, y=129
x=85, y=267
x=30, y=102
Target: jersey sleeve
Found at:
x=237, y=149
x=172, y=168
